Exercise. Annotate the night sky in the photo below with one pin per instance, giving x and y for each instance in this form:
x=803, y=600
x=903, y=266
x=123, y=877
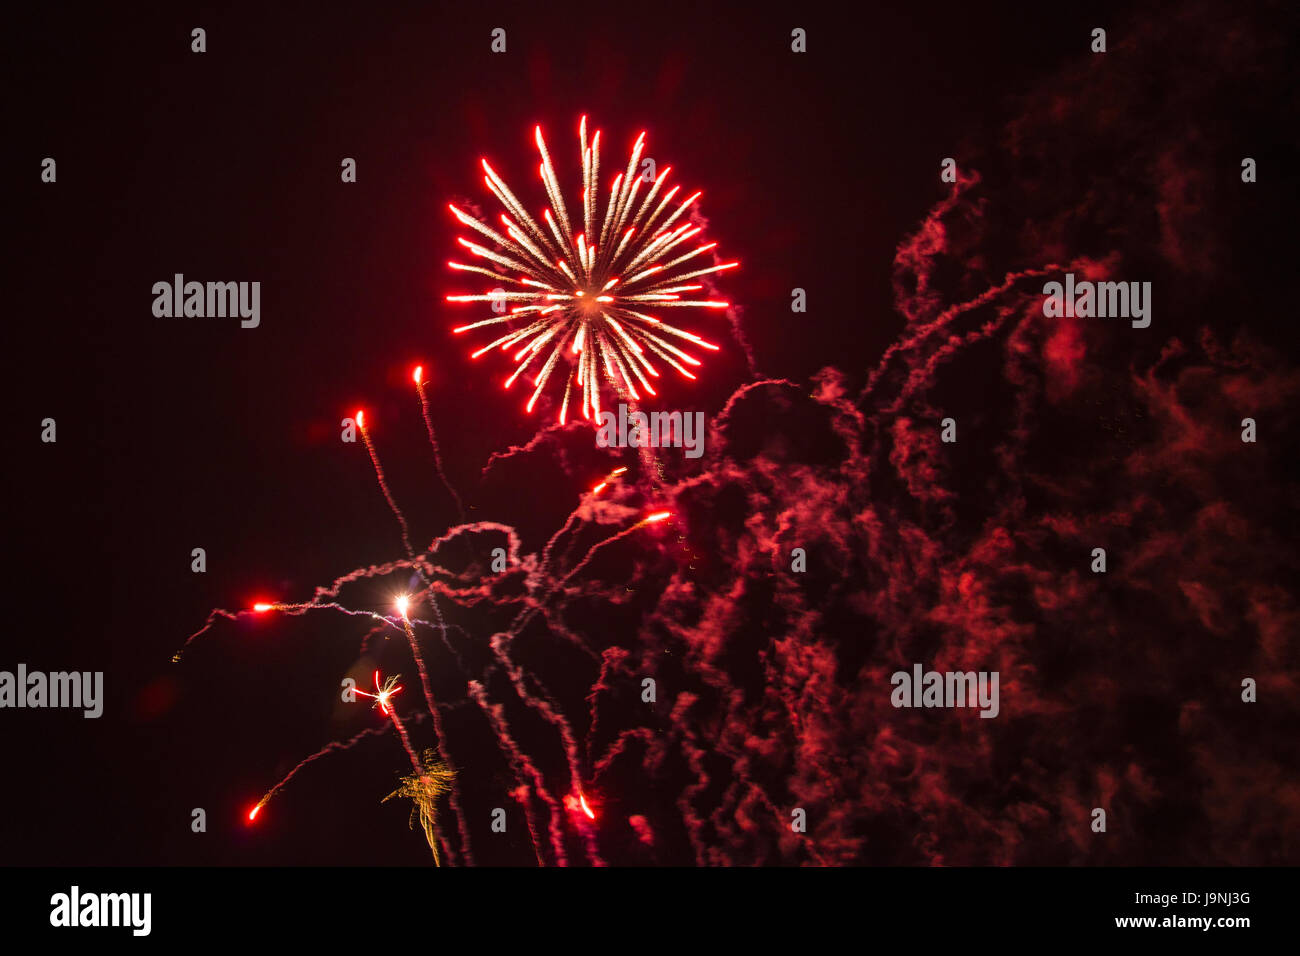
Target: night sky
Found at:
x=819, y=171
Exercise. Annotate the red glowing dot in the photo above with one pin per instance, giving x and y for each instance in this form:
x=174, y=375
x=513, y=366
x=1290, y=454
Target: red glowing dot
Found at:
x=418, y=374
x=361, y=422
x=252, y=814
x=586, y=809
x=658, y=516
x=261, y=607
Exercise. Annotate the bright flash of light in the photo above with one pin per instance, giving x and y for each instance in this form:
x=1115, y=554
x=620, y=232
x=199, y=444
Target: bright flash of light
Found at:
x=403, y=603
x=574, y=804
x=579, y=289
x=418, y=374
x=252, y=814
x=384, y=693
x=262, y=607
x=657, y=516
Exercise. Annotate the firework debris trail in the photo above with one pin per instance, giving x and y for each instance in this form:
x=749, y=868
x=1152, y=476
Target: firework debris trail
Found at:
x=433, y=442
x=332, y=747
x=383, y=486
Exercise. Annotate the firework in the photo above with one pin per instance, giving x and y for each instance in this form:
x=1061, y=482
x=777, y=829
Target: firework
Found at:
x=424, y=787
x=576, y=292
x=384, y=694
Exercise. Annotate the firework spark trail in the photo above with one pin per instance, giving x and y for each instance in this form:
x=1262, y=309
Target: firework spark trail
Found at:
x=383, y=485
x=524, y=765
x=651, y=466
x=499, y=643
x=916, y=335
x=406, y=741
x=550, y=713
x=433, y=441
x=579, y=512
x=581, y=297
x=434, y=711
x=418, y=566
x=542, y=703
x=591, y=553
x=474, y=592
x=521, y=796
x=921, y=375
x=332, y=747
x=539, y=438
x=612, y=659
x=402, y=607
x=212, y=617
x=291, y=610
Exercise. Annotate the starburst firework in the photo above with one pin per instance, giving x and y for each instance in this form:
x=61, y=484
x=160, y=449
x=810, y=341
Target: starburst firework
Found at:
x=580, y=296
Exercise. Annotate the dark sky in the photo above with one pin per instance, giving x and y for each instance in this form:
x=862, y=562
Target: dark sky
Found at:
x=181, y=433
